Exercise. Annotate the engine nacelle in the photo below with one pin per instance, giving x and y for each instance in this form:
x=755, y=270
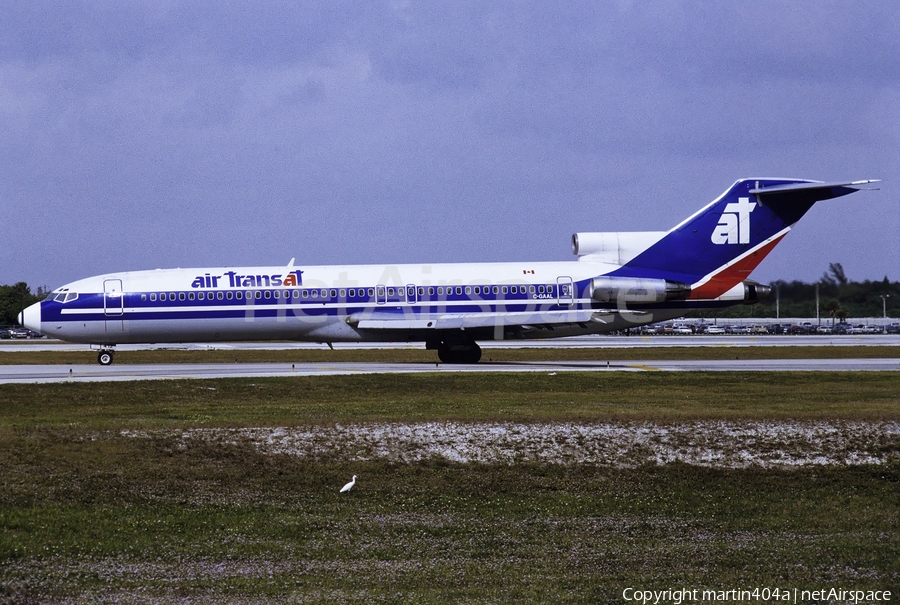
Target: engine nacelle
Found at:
x=755, y=292
x=615, y=247
x=747, y=292
x=637, y=290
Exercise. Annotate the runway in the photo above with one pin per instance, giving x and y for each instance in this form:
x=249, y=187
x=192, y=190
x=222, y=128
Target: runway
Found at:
x=130, y=372
x=125, y=372
x=573, y=342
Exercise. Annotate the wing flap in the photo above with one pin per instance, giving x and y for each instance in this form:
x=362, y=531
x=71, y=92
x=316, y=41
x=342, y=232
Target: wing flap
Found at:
x=462, y=321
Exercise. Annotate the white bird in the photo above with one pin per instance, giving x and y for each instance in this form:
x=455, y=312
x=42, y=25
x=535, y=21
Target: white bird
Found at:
x=347, y=487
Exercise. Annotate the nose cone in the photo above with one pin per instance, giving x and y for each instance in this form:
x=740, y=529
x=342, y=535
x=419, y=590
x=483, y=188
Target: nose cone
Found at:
x=31, y=317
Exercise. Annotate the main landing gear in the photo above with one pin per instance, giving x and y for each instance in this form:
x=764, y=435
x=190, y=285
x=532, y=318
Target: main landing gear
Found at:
x=468, y=352
x=105, y=356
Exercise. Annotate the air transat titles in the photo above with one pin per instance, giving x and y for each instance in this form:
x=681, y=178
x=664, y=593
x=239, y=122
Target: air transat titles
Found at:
x=236, y=280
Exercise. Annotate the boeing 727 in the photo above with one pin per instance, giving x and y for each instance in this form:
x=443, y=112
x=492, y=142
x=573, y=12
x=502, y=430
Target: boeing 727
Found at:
x=620, y=280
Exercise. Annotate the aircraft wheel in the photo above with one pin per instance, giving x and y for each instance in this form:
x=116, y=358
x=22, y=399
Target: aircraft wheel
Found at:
x=105, y=358
x=470, y=353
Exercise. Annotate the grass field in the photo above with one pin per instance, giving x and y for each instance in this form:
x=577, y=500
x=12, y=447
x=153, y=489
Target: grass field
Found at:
x=419, y=355
x=107, y=498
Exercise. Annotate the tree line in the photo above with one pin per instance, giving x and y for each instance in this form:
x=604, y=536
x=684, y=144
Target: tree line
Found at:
x=13, y=299
x=839, y=298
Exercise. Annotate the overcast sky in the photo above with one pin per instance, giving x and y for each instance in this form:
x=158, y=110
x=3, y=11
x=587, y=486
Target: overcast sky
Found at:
x=137, y=135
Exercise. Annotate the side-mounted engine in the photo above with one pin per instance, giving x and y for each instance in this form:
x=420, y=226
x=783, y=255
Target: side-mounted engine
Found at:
x=637, y=290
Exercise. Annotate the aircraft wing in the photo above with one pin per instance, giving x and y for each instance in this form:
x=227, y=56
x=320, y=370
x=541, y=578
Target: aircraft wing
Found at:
x=462, y=321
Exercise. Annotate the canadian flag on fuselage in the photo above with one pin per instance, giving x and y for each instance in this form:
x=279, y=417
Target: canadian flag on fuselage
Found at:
x=716, y=248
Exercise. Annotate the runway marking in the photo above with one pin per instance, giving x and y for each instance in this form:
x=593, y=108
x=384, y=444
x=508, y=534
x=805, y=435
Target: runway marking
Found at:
x=645, y=367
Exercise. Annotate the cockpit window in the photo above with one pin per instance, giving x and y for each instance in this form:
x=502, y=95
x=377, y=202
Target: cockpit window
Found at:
x=64, y=297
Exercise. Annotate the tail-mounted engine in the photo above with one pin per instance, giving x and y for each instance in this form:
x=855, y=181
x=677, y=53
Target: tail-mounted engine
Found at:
x=755, y=292
x=637, y=290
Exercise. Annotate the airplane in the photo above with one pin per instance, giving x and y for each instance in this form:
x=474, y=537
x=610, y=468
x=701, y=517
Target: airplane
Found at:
x=620, y=280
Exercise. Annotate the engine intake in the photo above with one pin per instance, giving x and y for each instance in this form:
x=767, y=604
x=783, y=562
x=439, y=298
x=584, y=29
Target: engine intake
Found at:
x=637, y=290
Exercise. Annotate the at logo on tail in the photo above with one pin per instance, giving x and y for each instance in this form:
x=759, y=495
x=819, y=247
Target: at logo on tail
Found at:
x=734, y=224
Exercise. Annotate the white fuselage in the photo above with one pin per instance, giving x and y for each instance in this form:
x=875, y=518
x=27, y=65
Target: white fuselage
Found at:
x=334, y=303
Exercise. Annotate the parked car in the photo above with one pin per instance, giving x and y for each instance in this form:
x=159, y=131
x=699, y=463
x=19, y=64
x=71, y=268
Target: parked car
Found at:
x=823, y=330
x=840, y=328
x=19, y=333
x=4, y=333
x=779, y=329
x=759, y=329
x=715, y=330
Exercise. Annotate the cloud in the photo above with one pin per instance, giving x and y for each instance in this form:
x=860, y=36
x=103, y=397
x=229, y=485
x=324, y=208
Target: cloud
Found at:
x=213, y=133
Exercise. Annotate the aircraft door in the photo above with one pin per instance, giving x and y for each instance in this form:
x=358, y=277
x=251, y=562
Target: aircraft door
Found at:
x=565, y=290
x=113, y=306
x=380, y=294
x=411, y=294
x=113, y=297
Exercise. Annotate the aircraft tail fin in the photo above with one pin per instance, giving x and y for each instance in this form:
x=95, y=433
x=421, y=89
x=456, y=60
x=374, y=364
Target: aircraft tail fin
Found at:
x=716, y=248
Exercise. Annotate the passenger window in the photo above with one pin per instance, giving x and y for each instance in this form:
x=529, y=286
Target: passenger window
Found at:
x=268, y=294
x=181, y=296
x=504, y=289
x=458, y=289
x=343, y=293
x=258, y=295
x=306, y=294
x=239, y=295
x=277, y=293
x=229, y=295
x=390, y=291
x=468, y=290
x=143, y=297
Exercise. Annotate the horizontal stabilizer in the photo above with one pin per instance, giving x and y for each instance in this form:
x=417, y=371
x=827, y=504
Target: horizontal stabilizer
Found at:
x=818, y=190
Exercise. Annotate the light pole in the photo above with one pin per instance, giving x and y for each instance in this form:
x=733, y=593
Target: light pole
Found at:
x=884, y=298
